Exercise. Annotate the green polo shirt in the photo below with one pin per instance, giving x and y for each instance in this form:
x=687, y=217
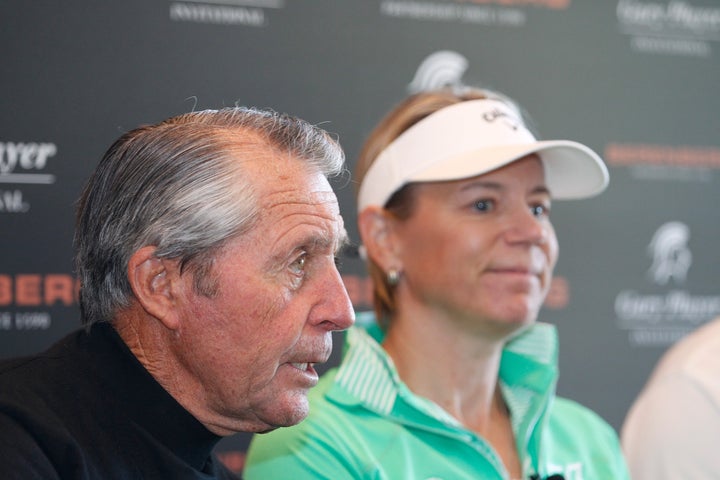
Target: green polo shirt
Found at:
x=365, y=423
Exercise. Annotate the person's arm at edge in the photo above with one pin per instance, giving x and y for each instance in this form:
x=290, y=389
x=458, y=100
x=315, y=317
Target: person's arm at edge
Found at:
x=672, y=431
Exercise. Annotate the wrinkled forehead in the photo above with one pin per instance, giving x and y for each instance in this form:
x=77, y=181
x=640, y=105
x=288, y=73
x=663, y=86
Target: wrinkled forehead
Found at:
x=286, y=187
x=286, y=180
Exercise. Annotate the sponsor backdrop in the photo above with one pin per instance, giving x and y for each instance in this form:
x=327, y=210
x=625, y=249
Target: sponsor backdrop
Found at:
x=634, y=79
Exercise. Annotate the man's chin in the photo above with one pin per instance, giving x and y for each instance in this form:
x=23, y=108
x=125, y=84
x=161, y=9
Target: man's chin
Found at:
x=284, y=415
x=267, y=430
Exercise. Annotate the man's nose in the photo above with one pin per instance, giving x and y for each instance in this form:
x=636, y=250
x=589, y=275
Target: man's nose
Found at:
x=334, y=310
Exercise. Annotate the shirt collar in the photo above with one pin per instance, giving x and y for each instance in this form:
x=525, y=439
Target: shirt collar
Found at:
x=528, y=368
x=145, y=402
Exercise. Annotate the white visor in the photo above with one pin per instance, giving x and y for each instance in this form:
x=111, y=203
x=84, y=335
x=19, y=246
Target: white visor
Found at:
x=472, y=138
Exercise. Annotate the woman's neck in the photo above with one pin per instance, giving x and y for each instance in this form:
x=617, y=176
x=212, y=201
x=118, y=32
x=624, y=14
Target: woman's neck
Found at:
x=457, y=371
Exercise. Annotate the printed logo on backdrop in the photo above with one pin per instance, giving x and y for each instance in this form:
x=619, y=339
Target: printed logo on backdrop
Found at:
x=440, y=69
x=675, y=27
x=668, y=311
x=22, y=164
x=665, y=162
x=502, y=13
x=26, y=299
x=247, y=13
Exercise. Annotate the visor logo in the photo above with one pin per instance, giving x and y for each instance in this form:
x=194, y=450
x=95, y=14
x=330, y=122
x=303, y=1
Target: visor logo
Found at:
x=496, y=114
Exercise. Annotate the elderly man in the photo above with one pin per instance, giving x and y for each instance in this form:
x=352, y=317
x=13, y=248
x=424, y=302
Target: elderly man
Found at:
x=206, y=252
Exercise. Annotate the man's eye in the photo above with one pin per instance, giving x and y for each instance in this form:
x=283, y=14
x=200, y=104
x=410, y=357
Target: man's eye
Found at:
x=298, y=266
x=484, y=205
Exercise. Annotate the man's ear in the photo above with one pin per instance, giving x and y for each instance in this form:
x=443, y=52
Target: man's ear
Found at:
x=376, y=230
x=154, y=281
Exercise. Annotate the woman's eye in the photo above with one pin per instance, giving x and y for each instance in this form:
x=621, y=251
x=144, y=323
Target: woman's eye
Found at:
x=540, y=210
x=484, y=205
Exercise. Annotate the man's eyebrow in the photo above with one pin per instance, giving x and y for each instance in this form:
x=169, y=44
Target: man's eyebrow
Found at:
x=326, y=241
x=343, y=241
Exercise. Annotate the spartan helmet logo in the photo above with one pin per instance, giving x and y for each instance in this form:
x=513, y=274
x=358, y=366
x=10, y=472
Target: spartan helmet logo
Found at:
x=670, y=254
x=440, y=69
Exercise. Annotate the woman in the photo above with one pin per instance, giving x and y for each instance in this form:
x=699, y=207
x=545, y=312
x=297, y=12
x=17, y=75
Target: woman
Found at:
x=455, y=379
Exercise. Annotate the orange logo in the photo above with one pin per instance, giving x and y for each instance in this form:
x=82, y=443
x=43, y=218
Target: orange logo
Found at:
x=553, y=4
x=38, y=289
x=662, y=155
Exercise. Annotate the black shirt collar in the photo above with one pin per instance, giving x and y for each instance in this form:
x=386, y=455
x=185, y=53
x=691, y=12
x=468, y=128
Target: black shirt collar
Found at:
x=145, y=402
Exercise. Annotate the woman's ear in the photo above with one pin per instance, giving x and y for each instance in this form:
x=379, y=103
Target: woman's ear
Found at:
x=154, y=283
x=376, y=226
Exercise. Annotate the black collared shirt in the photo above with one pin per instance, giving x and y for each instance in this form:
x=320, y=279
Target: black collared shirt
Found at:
x=87, y=409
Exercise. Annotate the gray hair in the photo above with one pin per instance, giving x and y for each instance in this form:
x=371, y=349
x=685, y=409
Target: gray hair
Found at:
x=178, y=186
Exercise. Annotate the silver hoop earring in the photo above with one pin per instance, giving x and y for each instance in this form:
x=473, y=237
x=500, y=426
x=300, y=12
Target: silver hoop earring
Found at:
x=393, y=277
